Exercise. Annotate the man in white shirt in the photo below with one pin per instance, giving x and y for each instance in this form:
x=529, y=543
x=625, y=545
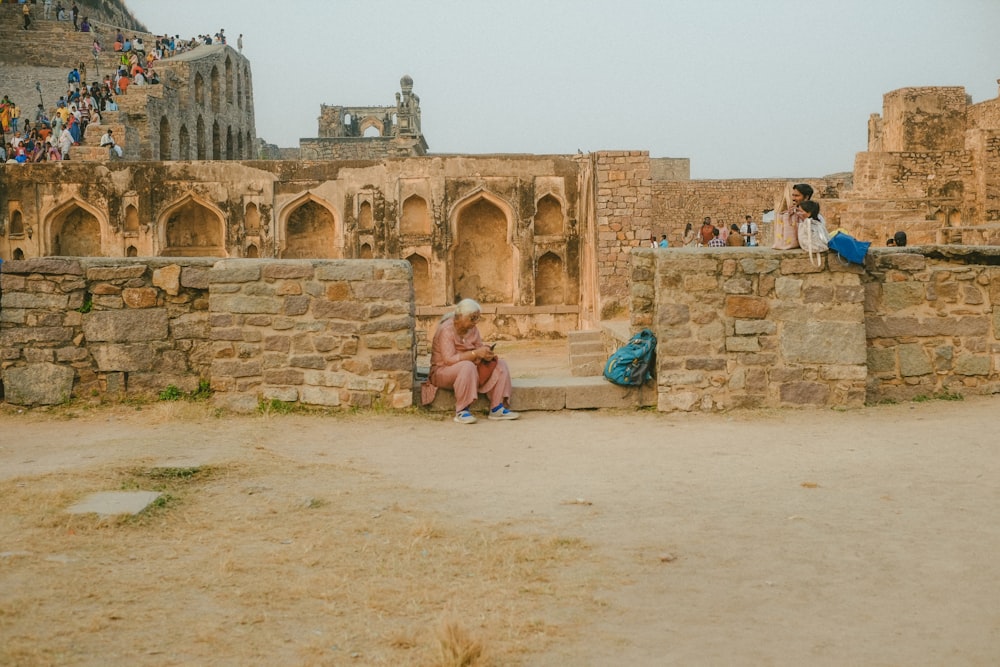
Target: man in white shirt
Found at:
x=750, y=232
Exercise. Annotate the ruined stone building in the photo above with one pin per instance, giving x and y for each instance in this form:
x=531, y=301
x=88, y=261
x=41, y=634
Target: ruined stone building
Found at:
x=543, y=241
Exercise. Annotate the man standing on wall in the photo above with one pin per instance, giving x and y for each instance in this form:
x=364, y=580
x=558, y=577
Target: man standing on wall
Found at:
x=750, y=232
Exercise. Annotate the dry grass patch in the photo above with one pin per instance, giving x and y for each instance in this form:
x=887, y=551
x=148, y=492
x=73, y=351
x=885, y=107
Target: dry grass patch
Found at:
x=263, y=560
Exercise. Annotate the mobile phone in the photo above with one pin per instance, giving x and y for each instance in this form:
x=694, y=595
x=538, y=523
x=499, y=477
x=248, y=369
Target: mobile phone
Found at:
x=492, y=345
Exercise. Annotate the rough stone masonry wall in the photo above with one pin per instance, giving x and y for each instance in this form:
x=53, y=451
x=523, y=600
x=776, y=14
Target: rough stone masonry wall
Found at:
x=761, y=328
x=623, y=211
x=334, y=333
x=932, y=318
x=750, y=328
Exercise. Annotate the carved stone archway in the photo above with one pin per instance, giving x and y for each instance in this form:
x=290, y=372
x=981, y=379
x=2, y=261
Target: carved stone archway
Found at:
x=74, y=229
x=309, y=229
x=483, y=260
x=192, y=227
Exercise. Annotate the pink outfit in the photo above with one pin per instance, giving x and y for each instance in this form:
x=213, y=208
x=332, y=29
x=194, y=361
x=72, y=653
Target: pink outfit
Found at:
x=451, y=372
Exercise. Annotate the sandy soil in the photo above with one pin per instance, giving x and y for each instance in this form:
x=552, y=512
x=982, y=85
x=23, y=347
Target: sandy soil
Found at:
x=578, y=538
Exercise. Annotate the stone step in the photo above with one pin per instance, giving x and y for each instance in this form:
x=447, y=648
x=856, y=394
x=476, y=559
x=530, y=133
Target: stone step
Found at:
x=588, y=365
x=557, y=393
x=586, y=347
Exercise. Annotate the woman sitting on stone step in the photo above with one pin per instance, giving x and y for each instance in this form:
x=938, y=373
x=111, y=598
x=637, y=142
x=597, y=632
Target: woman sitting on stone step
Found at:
x=456, y=355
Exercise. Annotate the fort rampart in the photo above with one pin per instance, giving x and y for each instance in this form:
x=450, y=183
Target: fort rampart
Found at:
x=747, y=328
x=331, y=333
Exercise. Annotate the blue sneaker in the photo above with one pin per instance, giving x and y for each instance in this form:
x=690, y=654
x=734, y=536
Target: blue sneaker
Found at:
x=500, y=413
x=465, y=417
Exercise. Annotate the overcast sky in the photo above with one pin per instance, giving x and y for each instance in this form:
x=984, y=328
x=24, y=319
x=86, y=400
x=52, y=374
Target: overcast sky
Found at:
x=744, y=88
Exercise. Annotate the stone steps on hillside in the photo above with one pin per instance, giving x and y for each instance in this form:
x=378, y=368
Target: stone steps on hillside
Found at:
x=586, y=353
x=556, y=393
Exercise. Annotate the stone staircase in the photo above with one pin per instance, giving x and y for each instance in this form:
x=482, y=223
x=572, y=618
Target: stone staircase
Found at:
x=587, y=355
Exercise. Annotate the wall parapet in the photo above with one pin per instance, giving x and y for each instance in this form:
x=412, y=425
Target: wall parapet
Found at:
x=318, y=332
x=752, y=328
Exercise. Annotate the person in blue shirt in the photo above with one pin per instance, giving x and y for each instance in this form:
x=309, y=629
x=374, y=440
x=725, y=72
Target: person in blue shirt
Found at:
x=663, y=242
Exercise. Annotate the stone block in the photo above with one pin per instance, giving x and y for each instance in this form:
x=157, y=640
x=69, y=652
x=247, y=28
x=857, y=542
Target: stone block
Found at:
x=195, y=277
x=168, y=279
x=296, y=305
x=913, y=360
x=288, y=270
x=95, y=273
x=684, y=401
x=283, y=376
x=804, y=393
x=345, y=270
x=754, y=327
x=38, y=384
x=746, y=307
x=125, y=357
x=816, y=342
x=35, y=300
x=194, y=325
x=339, y=310
x=236, y=402
x=235, y=368
x=319, y=396
x=386, y=291
x=972, y=365
x=44, y=266
x=235, y=303
x=124, y=326
x=853, y=373
x=283, y=394
x=141, y=297
x=898, y=296
x=742, y=344
x=882, y=360
x=234, y=271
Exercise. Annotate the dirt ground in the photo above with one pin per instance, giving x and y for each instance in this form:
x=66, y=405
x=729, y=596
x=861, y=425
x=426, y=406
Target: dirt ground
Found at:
x=867, y=537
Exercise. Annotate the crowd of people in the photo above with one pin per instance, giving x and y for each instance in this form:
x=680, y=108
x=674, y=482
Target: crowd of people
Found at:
x=712, y=236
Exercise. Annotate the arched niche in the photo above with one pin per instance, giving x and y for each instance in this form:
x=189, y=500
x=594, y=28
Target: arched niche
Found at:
x=251, y=217
x=252, y=252
x=184, y=142
x=239, y=92
x=239, y=146
x=200, y=139
x=18, y=254
x=192, y=228
x=74, y=230
x=216, y=90
x=229, y=143
x=550, y=281
x=131, y=219
x=366, y=220
x=165, y=139
x=199, y=89
x=216, y=141
x=16, y=223
x=365, y=251
x=229, y=80
x=131, y=251
x=482, y=257
x=310, y=230
x=549, y=219
x=415, y=218
x=423, y=292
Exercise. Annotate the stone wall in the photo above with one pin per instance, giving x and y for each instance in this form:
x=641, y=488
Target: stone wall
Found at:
x=623, y=214
x=932, y=317
x=751, y=328
x=333, y=333
x=755, y=328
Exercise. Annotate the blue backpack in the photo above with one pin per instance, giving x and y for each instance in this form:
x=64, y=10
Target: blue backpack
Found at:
x=632, y=364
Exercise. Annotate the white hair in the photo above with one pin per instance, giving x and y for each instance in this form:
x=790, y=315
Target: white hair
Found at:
x=464, y=307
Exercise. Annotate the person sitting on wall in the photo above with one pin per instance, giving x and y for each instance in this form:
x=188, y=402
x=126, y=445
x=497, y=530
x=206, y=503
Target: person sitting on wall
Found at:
x=716, y=241
x=899, y=239
x=108, y=141
x=735, y=237
x=457, y=353
x=706, y=233
x=664, y=243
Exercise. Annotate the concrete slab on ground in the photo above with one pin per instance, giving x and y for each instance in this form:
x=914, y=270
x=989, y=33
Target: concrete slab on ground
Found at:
x=111, y=503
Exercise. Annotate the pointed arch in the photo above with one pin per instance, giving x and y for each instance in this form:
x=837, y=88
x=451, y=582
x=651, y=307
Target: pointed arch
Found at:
x=309, y=227
x=423, y=290
x=229, y=80
x=229, y=142
x=366, y=251
x=184, y=140
x=192, y=227
x=366, y=218
x=199, y=89
x=415, y=218
x=18, y=254
x=482, y=257
x=165, y=139
x=131, y=218
x=16, y=223
x=252, y=252
x=251, y=219
x=549, y=218
x=200, y=139
x=216, y=141
x=131, y=251
x=216, y=89
x=371, y=122
x=74, y=229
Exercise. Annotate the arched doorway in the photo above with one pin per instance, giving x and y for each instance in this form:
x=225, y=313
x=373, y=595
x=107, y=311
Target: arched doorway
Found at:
x=365, y=218
x=165, y=139
x=192, y=229
x=365, y=252
x=482, y=258
x=310, y=232
x=131, y=219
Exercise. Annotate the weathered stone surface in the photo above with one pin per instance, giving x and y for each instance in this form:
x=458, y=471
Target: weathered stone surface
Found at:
x=897, y=296
x=823, y=342
x=142, y=297
x=38, y=384
x=386, y=291
x=319, y=396
x=742, y=344
x=755, y=327
x=44, y=266
x=193, y=325
x=288, y=269
x=35, y=300
x=805, y=393
x=195, y=277
x=168, y=279
x=746, y=307
x=123, y=326
x=882, y=360
x=972, y=365
x=232, y=271
x=116, y=272
x=345, y=270
x=913, y=360
x=125, y=358
x=245, y=304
